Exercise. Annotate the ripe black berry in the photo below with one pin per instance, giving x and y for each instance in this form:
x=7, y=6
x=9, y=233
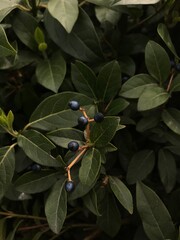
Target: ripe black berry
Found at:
x=98, y=117
x=173, y=64
x=74, y=105
x=73, y=146
x=69, y=186
x=35, y=167
x=178, y=67
x=82, y=121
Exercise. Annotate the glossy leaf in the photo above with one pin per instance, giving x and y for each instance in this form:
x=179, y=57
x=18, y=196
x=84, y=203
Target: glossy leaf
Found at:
x=171, y=117
x=84, y=79
x=110, y=219
x=38, y=148
x=155, y=217
x=122, y=193
x=141, y=164
x=66, y=12
x=6, y=48
x=152, y=97
x=90, y=167
x=105, y=14
x=164, y=34
x=77, y=42
x=51, y=72
x=91, y=202
x=63, y=136
x=110, y=78
x=167, y=169
x=117, y=106
x=134, y=86
x=102, y=133
x=56, y=206
x=157, y=61
x=33, y=182
x=54, y=113
x=6, y=7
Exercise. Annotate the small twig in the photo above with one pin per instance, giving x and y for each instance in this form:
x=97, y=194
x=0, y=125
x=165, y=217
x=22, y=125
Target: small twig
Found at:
x=32, y=227
x=12, y=215
x=93, y=235
x=76, y=159
x=170, y=81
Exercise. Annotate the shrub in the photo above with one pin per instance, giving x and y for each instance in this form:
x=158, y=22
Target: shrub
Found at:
x=89, y=120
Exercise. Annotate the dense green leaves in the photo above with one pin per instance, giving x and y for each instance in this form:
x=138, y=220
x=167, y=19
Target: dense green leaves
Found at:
x=66, y=12
x=171, y=118
x=90, y=167
x=155, y=217
x=38, y=148
x=117, y=106
x=56, y=206
x=91, y=202
x=102, y=133
x=51, y=72
x=140, y=166
x=157, y=61
x=122, y=193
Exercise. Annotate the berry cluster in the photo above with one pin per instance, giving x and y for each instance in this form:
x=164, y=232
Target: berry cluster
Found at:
x=73, y=146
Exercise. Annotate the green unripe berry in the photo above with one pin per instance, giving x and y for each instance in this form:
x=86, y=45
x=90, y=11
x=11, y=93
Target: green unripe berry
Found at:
x=42, y=47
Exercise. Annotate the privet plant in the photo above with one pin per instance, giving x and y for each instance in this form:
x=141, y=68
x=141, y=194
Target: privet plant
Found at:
x=89, y=120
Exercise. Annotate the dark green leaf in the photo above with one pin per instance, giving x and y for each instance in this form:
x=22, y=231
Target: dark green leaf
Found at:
x=109, y=81
x=147, y=123
x=157, y=61
x=141, y=164
x=6, y=7
x=155, y=217
x=77, y=42
x=90, y=201
x=171, y=117
x=110, y=219
x=102, y=133
x=164, y=34
x=127, y=66
x=33, y=182
x=68, y=14
x=90, y=167
x=175, y=86
x=11, y=235
x=56, y=206
x=51, y=72
x=24, y=25
x=3, y=229
x=122, y=193
x=167, y=169
x=38, y=148
x=84, y=79
x=54, y=113
x=63, y=136
x=134, y=87
x=152, y=97
x=117, y=106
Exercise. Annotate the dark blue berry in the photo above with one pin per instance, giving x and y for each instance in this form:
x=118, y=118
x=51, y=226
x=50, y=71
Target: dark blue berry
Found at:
x=69, y=186
x=82, y=121
x=74, y=105
x=98, y=117
x=73, y=146
x=173, y=64
x=178, y=67
x=35, y=167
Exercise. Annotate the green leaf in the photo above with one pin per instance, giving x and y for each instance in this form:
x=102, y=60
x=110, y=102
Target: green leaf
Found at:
x=91, y=202
x=32, y=182
x=147, y=122
x=24, y=25
x=3, y=228
x=10, y=120
x=102, y=133
x=171, y=117
x=122, y=193
x=6, y=7
x=134, y=86
x=6, y=48
x=127, y=65
x=77, y=42
x=110, y=219
x=63, y=136
x=104, y=15
x=157, y=61
x=141, y=164
x=155, y=217
x=11, y=235
x=152, y=97
x=164, y=34
x=54, y=113
x=56, y=206
x=90, y=167
x=117, y=106
x=7, y=167
x=175, y=86
x=51, y=72
x=167, y=169
x=37, y=147
x=110, y=78
x=68, y=13
x=84, y=79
